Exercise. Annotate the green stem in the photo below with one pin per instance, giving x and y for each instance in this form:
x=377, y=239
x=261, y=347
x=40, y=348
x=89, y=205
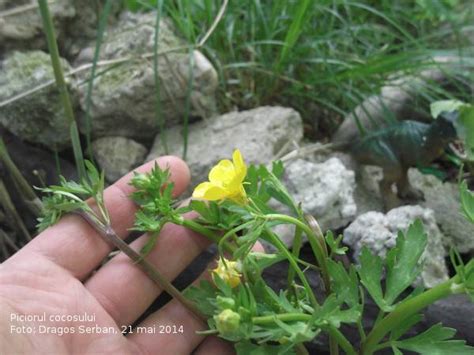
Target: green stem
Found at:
x=284, y=317
x=295, y=250
x=211, y=235
x=282, y=248
x=61, y=86
x=11, y=211
x=407, y=309
x=340, y=339
x=90, y=85
x=32, y=201
x=158, y=111
x=313, y=241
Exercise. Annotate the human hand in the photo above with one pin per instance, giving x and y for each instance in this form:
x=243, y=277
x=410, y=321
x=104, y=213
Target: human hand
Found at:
x=53, y=276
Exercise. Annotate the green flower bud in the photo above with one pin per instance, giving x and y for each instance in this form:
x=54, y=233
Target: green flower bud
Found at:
x=227, y=322
x=225, y=302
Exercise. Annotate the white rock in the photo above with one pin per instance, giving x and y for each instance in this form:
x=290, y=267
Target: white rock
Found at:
x=379, y=232
x=259, y=134
x=117, y=155
x=325, y=191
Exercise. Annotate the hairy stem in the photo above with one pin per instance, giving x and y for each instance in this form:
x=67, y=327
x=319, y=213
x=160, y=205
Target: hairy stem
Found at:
x=109, y=235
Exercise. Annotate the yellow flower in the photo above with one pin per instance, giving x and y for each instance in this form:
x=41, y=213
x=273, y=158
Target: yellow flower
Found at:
x=228, y=272
x=225, y=181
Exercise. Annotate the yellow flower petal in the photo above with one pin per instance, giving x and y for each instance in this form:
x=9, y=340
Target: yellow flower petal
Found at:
x=222, y=173
x=239, y=164
x=225, y=181
x=208, y=191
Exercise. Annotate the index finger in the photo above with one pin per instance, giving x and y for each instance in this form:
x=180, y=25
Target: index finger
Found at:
x=74, y=245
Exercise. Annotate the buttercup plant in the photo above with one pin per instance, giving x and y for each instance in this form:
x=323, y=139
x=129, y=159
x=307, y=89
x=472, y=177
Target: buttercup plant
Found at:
x=233, y=211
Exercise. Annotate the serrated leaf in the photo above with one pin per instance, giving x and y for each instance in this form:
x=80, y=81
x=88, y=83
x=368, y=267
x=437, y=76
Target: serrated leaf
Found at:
x=403, y=261
x=435, y=341
x=370, y=273
x=345, y=284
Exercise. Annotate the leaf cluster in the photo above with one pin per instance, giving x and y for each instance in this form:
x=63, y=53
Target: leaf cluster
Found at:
x=71, y=196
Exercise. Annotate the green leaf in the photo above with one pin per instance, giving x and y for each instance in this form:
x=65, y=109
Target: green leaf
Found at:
x=345, y=285
x=204, y=296
x=403, y=261
x=435, y=341
x=465, y=128
x=334, y=244
x=438, y=107
x=370, y=273
x=467, y=201
x=331, y=313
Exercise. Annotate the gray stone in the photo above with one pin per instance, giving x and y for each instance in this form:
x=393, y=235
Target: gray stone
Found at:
x=325, y=191
x=378, y=232
x=443, y=199
x=24, y=29
x=39, y=117
x=259, y=134
x=456, y=311
x=124, y=98
x=117, y=155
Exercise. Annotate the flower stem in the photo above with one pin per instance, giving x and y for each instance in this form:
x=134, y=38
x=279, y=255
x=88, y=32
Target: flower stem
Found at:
x=313, y=241
x=61, y=85
x=405, y=310
x=109, y=235
x=211, y=235
x=282, y=248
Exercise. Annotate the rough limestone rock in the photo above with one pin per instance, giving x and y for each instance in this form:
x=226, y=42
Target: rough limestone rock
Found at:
x=24, y=29
x=124, y=98
x=443, y=199
x=39, y=117
x=324, y=189
x=117, y=155
x=378, y=232
x=259, y=134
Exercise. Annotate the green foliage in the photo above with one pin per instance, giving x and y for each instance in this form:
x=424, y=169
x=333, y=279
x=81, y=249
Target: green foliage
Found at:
x=401, y=266
x=241, y=307
x=434, y=341
x=70, y=196
x=325, y=53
